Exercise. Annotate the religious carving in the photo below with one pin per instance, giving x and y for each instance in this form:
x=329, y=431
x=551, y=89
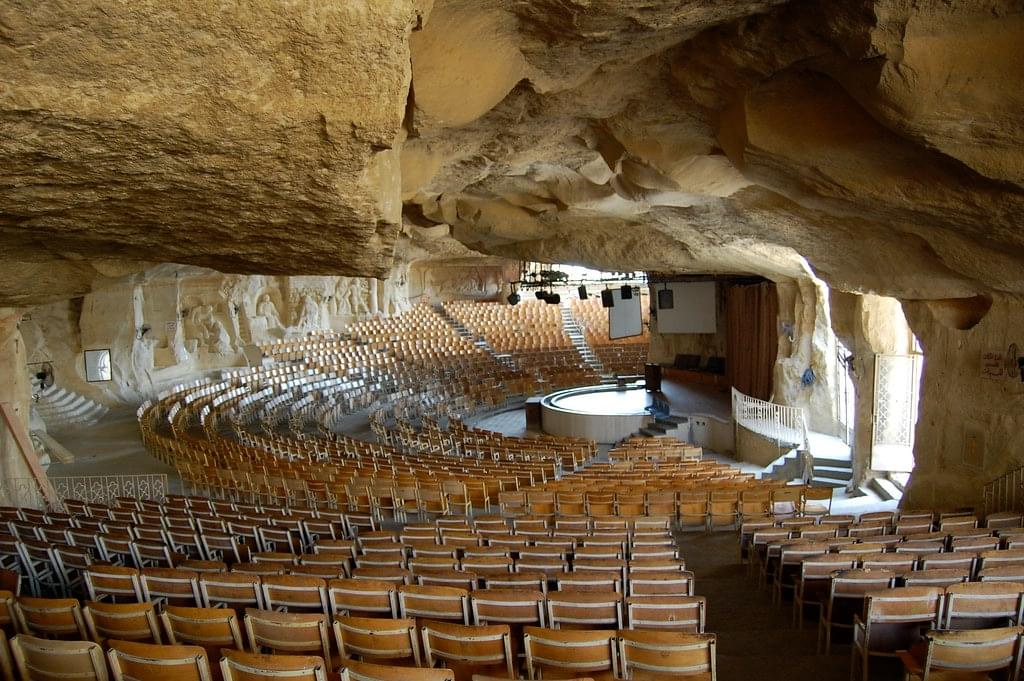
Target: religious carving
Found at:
x=309, y=317
x=209, y=331
x=358, y=292
x=268, y=311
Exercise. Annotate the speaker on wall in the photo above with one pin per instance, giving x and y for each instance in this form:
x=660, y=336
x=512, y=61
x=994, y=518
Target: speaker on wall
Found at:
x=583, y=292
x=666, y=299
x=607, y=299
x=627, y=292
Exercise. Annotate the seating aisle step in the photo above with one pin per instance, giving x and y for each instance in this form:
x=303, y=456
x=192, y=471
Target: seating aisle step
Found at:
x=579, y=340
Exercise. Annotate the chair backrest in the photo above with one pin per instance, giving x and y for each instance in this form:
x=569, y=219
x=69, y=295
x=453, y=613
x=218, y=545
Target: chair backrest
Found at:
x=113, y=582
x=368, y=671
x=434, y=602
x=130, y=660
x=295, y=593
x=678, y=613
x=904, y=605
x=362, y=596
x=51, y=617
x=508, y=606
x=207, y=627
x=567, y=651
x=121, y=621
x=40, y=659
x=940, y=577
x=667, y=653
x=170, y=585
x=377, y=639
x=590, y=609
x=975, y=651
x=975, y=605
x=236, y=665
x=287, y=632
x=660, y=583
x=469, y=648
x=230, y=589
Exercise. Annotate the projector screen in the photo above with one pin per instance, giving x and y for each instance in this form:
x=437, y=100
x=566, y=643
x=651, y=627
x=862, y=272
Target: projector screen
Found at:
x=625, y=317
x=693, y=307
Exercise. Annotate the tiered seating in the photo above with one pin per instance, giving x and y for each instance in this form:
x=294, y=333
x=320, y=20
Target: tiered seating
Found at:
x=619, y=356
x=289, y=579
x=533, y=335
x=654, y=449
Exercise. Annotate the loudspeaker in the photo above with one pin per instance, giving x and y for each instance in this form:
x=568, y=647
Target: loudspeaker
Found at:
x=513, y=298
x=666, y=299
x=553, y=299
x=541, y=295
x=627, y=292
x=583, y=292
x=607, y=299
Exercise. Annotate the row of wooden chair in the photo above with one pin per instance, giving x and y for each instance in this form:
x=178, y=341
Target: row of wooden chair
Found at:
x=464, y=651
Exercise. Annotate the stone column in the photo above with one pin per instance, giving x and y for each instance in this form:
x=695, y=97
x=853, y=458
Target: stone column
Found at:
x=15, y=389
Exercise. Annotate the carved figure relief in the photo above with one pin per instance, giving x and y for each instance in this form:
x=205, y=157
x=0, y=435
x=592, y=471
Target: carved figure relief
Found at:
x=268, y=311
x=309, y=317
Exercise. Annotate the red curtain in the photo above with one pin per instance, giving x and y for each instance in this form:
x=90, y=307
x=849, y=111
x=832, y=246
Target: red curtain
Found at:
x=752, y=314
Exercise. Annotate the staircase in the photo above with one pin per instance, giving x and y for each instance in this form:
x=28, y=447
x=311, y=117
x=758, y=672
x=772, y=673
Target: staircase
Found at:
x=579, y=340
x=478, y=341
x=672, y=425
x=61, y=409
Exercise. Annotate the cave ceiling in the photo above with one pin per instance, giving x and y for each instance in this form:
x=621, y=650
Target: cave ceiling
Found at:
x=879, y=142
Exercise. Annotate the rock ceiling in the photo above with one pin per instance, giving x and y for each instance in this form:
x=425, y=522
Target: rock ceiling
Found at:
x=882, y=141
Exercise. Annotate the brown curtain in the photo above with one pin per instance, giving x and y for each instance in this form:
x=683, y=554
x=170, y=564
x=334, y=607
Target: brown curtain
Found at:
x=752, y=338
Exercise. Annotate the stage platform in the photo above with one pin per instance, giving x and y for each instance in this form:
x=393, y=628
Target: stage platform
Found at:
x=608, y=413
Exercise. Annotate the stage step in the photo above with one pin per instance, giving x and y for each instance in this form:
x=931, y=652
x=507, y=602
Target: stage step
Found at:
x=832, y=473
x=885, y=489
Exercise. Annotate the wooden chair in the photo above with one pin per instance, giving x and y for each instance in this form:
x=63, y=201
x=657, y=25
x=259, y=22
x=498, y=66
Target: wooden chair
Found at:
x=893, y=620
x=393, y=641
x=455, y=578
x=40, y=659
x=236, y=665
x=211, y=628
x=465, y=649
x=434, y=602
x=170, y=586
x=121, y=621
x=295, y=593
x=287, y=632
x=508, y=606
x=666, y=654
x=362, y=597
x=676, y=613
x=114, y=583
x=561, y=653
x=939, y=577
x=983, y=605
x=588, y=581
x=964, y=654
x=50, y=617
x=131, y=661
x=367, y=671
x=230, y=589
x=584, y=609
x=813, y=581
x=846, y=599
x=660, y=584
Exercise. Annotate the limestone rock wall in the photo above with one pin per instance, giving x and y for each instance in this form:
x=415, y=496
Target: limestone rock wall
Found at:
x=172, y=324
x=971, y=424
x=14, y=390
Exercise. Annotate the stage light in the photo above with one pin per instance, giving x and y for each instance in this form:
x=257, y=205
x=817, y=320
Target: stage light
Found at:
x=513, y=299
x=553, y=299
x=583, y=292
x=607, y=298
x=627, y=292
x=541, y=295
x=666, y=298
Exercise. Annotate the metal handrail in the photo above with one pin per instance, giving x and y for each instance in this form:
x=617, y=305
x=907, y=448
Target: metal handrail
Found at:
x=778, y=422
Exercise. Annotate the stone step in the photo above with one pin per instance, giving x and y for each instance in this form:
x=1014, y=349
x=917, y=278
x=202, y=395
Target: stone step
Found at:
x=885, y=489
x=826, y=482
x=832, y=463
x=832, y=473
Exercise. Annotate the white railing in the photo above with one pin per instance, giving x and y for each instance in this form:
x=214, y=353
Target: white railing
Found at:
x=93, y=489
x=774, y=421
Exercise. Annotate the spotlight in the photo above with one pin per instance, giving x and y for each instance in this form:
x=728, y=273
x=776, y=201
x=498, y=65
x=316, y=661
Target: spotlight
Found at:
x=607, y=298
x=666, y=298
x=627, y=292
x=513, y=299
x=541, y=295
x=553, y=299
x=583, y=292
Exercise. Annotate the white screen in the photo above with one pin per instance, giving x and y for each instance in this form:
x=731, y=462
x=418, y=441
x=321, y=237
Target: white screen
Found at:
x=625, y=318
x=693, y=309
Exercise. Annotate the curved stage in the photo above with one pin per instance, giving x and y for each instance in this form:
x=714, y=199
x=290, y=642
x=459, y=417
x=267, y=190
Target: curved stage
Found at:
x=604, y=413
